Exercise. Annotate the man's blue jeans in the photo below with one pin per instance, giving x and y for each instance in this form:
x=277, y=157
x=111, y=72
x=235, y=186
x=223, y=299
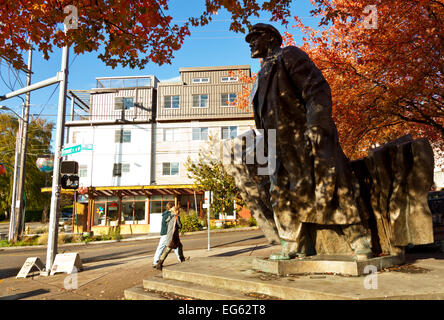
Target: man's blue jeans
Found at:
x=160, y=247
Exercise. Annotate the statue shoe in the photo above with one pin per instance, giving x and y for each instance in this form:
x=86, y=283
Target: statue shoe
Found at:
x=362, y=254
x=279, y=256
x=289, y=251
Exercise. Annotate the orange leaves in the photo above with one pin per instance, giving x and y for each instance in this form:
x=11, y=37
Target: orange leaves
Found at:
x=242, y=100
x=386, y=81
x=131, y=32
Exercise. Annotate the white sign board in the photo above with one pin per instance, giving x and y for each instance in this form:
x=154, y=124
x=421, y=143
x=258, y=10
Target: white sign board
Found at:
x=27, y=266
x=208, y=197
x=65, y=262
x=205, y=205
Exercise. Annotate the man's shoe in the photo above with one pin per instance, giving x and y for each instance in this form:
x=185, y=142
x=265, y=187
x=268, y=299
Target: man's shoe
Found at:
x=184, y=259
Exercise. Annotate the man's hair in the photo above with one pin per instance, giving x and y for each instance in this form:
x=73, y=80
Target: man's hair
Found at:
x=170, y=205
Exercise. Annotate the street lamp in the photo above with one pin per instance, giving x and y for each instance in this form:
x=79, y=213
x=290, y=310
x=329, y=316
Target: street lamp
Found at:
x=9, y=109
x=16, y=184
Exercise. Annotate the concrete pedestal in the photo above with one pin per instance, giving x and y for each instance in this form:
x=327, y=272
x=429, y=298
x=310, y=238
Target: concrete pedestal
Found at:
x=321, y=264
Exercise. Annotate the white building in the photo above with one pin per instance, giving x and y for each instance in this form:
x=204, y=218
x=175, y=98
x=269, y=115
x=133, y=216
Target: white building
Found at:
x=136, y=135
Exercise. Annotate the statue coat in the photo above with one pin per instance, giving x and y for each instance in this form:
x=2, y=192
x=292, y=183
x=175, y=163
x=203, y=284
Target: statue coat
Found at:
x=313, y=181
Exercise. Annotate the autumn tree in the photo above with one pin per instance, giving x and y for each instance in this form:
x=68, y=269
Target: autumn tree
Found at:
x=39, y=138
x=208, y=174
x=384, y=62
x=128, y=32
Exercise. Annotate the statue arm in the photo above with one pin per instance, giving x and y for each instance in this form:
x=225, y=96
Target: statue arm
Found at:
x=311, y=86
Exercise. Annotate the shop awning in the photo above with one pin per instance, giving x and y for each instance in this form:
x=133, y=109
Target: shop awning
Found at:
x=174, y=189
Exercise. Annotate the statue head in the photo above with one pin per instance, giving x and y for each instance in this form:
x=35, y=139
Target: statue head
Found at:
x=263, y=39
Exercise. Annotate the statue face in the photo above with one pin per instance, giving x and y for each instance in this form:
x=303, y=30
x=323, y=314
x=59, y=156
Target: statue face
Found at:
x=259, y=45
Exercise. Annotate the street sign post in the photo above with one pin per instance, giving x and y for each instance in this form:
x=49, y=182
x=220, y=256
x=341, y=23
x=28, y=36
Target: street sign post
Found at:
x=208, y=199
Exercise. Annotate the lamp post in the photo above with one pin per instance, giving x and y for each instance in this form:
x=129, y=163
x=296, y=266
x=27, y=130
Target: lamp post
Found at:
x=17, y=167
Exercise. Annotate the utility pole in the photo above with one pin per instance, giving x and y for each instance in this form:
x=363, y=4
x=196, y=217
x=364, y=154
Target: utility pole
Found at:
x=14, y=183
x=56, y=188
x=19, y=205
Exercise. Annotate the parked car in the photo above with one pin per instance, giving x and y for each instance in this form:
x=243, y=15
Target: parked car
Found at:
x=66, y=216
x=436, y=205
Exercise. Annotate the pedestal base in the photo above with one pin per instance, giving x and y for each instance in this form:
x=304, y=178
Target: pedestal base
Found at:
x=344, y=265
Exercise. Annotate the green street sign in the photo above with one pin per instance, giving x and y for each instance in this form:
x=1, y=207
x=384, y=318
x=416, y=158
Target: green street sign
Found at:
x=87, y=147
x=71, y=150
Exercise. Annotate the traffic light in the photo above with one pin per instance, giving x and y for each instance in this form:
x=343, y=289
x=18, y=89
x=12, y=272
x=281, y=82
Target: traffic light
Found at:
x=70, y=181
x=69, y=167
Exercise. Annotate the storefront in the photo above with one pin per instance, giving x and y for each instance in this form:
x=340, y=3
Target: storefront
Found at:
x=136, y=209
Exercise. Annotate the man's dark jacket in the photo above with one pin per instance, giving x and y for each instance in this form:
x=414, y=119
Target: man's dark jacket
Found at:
x=164, y=226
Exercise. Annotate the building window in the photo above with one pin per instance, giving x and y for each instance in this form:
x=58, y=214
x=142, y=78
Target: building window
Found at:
x=171, y=102
x=200, y=101
x=83, y=171
x=133, y=210
x=229, y=132
x=170, y=168
x=123, y=103
x=229, y=79
x=106, y=211
x=169, y=135
x=158, y=203
x=122, y=136
x=201, y=80
x=227, y=99
x=77, y=137
x=120, y=168
x=200, y=134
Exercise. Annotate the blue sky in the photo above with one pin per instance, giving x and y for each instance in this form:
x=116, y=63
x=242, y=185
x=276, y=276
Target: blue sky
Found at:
x=212, y=45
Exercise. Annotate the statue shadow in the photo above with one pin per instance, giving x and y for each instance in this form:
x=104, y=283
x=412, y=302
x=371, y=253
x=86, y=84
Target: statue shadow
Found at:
x=421, y=252
x=241, y=251
x=24, y=295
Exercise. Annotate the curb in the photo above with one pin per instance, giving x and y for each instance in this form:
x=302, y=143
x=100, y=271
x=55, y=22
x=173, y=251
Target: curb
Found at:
x=146, y=237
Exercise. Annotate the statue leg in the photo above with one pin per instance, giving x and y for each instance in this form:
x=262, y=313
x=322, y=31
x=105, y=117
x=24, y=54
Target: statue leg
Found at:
x=293, y=234
x=300, y=245
x=359, y=239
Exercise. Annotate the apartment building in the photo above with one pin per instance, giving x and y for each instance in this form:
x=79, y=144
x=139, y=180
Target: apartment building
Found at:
x=136, y=135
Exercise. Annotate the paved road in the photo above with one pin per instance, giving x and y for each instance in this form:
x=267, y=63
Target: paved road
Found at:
x=12, y=260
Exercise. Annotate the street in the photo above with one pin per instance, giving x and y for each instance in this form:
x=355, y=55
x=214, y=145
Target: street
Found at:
x=12, y=260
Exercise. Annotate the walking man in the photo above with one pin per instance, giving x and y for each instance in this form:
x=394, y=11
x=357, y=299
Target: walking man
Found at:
x=164, y=238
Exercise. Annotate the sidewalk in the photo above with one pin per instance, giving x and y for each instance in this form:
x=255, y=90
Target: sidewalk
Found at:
x=107, y=280
x=104, y=280
x=135, y=237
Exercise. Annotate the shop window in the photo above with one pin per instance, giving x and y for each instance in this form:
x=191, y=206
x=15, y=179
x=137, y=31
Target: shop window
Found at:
x=112, y=212
x=158, y=203
x=99, y=213
x=133, y=210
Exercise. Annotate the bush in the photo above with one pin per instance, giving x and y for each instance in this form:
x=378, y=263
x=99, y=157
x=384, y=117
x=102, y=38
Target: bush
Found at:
x=252, y=222
x=113, y=234
x=43, y=239
x=2, y=216
x=190, y=223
